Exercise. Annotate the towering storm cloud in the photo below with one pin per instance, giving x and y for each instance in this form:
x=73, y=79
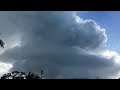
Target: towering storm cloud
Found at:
x=58, y=42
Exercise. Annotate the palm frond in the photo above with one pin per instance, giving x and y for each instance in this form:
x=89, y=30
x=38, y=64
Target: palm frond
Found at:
x=2, y=43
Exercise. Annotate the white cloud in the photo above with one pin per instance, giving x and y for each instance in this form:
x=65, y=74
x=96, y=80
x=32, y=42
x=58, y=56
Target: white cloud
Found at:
x=60, y=43
x=4, y=67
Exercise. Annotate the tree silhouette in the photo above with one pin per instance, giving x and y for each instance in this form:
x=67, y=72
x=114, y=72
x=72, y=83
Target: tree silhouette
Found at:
x=20, y=75
x=32, y=76
x=1, y=43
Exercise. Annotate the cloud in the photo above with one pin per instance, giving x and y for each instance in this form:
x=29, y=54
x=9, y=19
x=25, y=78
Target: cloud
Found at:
x=59, y=42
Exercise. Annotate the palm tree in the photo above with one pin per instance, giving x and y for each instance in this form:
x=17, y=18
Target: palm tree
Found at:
x=2, y=43
x=20, y=75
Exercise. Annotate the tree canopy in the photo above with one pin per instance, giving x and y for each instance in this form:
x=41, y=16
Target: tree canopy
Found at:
x=20, y=75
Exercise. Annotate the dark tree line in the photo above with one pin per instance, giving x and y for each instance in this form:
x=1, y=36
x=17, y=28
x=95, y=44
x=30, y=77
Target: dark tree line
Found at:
x=21, y=75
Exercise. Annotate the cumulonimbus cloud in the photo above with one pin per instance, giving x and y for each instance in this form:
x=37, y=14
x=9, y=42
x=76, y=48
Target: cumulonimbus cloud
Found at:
x=59, y=42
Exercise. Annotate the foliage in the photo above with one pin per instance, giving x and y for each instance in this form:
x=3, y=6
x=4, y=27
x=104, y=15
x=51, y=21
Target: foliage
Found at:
x=1, y=43
x=20, y=75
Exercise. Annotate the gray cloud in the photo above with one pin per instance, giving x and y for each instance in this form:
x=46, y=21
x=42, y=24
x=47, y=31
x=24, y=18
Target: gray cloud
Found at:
x=59, y=42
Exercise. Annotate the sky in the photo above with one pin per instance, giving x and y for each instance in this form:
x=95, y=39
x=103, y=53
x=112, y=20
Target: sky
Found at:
x=64, y=44
x=108, y=20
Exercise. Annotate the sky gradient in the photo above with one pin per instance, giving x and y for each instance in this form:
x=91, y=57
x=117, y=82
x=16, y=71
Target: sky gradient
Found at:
x=110, y=20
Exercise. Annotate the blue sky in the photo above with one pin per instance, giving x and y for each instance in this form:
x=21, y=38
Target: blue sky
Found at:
x=110, y=20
